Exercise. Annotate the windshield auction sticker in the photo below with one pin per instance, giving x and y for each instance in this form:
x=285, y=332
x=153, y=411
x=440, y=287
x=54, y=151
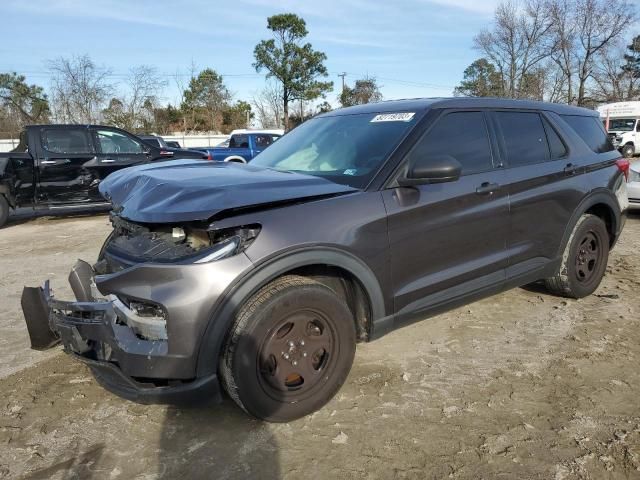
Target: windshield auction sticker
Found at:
x=394, y=117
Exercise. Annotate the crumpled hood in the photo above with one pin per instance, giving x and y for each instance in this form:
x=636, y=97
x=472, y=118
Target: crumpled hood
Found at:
x=189, y=190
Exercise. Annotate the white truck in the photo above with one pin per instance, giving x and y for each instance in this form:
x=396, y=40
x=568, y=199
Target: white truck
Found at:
x=622, y=122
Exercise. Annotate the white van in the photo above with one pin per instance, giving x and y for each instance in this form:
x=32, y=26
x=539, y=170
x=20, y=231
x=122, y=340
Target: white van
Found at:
x=622, y=122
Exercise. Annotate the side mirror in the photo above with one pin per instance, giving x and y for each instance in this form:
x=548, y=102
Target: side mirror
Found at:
x=435, y=169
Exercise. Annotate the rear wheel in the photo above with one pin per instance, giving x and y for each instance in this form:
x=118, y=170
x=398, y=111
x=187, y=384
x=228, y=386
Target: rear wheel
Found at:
x=584, y=260
x=4, y=210
x=289, y=351
x=628, y=151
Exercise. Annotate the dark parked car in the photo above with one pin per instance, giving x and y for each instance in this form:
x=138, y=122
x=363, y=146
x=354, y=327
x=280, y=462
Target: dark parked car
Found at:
x=62, y=165
x=172, y=144
x=261, y=278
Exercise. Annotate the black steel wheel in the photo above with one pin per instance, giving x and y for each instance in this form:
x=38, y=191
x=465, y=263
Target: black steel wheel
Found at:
x=584, y=260
x=290, y=350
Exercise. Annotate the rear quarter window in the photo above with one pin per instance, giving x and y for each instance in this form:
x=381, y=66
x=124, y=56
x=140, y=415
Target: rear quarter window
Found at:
x=590, y=130
x=66, y=140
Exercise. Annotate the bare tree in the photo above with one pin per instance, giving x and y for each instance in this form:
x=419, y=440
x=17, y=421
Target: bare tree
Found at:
x=134, y=109
x=517, y=44
x=599, y=24
x=79, y=89
x=613, y=83
x=268, y=106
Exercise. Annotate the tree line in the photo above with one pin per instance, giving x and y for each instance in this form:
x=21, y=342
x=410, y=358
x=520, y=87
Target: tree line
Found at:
x=567, y=51
x=81, y=91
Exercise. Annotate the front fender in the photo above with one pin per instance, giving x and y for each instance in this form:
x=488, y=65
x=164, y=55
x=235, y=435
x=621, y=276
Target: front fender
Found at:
x=223, y=314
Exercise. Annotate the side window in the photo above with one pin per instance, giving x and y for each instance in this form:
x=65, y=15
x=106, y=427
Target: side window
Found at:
x=556, y=145
x=462, y=135
x=591, y=131
x=239, y=141
x=111, y=141
x=263, y=141
x=66, y=140
x=524, y=138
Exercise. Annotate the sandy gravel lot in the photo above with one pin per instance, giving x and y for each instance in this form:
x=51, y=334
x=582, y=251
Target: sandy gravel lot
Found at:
x=521, y=385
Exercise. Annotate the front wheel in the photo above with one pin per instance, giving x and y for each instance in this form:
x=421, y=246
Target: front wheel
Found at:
x=290, y=349
x=584, y=260
x=628, y=151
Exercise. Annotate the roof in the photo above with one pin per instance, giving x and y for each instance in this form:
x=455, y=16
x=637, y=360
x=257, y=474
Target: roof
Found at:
x=421, y=104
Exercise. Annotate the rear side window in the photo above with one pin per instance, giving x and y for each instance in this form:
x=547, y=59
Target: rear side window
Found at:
x=463, y=135
x=524, y=138
x=591, y=131
x=556, y=146
x=66, y=140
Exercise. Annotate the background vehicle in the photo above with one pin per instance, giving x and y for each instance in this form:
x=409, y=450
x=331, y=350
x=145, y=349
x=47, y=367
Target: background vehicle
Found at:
x=243, y=146
x=62, y=165
x=262, y=277
x=173, y=144
x=633, y=187
x=623, y=120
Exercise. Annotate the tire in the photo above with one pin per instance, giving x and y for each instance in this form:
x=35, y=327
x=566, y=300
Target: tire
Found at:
x=289, y=351
x=4, y=210
x=584, y=260
x=628, y=151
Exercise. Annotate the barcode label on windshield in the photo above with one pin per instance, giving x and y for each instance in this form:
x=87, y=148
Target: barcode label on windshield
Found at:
x=394, y=117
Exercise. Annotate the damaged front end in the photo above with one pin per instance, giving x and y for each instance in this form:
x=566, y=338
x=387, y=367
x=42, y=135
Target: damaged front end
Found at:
x=141, y=309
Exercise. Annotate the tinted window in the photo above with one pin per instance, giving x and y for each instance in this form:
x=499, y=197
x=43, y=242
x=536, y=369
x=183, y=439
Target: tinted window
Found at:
x=111, y=141
x=591, y=131
x=153, y=141
x=66, y=141
x=524, y=138
x=239, y=141
x=263, y=141
x=556, y=145
x=462, y=135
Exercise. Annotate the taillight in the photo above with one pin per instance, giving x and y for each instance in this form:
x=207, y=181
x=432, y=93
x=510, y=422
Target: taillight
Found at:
x=623, y=165
x=209, y=157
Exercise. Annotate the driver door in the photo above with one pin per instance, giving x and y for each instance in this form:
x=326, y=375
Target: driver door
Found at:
x=448, y=240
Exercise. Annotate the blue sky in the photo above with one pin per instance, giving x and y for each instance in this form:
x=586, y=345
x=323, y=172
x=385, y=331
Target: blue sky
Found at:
x=414, y=47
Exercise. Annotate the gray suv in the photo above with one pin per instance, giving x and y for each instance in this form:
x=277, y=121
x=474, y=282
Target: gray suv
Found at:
x=261, y=278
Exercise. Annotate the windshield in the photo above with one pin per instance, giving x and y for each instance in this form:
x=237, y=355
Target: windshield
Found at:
x=622, y=124
x=346, y=149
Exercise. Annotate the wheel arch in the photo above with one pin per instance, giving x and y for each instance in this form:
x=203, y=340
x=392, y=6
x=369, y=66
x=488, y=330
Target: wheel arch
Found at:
x=235, y=158
x=322, y=264
x=601, y=203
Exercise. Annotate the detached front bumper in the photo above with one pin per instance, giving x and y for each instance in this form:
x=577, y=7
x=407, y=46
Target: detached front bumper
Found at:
x=102, y=331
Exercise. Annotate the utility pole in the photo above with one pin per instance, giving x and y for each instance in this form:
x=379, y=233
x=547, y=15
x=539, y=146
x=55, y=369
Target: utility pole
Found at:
x=343, y=74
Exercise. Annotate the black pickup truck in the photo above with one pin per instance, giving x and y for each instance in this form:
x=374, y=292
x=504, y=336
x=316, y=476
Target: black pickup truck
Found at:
x=62, y=165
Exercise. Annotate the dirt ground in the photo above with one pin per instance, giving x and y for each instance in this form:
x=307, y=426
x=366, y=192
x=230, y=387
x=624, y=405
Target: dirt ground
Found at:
x=522, y=385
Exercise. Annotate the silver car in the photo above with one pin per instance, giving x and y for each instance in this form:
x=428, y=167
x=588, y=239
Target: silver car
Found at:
x=633, y=187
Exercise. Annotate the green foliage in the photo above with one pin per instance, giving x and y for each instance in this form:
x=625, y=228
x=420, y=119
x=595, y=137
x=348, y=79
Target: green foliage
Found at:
x=235, y=116
x=364, y=91
x=27, y=102
x=296, y=65
x=205, y=100
x=480, y=80
x=632, y=58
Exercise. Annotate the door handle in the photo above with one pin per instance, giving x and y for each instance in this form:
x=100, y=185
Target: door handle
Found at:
x=107, y=160
x=570, y=169
x=487, y=188
x=54, y=162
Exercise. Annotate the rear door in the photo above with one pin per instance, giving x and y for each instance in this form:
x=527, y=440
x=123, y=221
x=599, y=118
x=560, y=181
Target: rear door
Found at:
x=544, y=186
x=117, y=149
x=447, y=240
x=62, y=176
